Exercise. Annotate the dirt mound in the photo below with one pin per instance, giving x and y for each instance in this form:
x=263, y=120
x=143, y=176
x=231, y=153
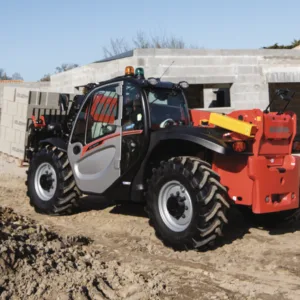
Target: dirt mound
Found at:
x=36, y=263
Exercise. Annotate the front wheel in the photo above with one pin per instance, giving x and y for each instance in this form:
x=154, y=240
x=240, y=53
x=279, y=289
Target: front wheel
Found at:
x=51, y=187
x=186, y=203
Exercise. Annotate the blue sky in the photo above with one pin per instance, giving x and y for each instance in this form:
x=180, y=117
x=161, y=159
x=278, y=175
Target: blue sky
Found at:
x=36, y=36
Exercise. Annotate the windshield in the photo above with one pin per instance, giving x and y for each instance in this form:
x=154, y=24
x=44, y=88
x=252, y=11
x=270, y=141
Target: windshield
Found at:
x=167, y=104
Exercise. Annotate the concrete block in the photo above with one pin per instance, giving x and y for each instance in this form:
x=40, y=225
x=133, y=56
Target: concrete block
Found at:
x=20, y=123
x=246, y=87
x=52, y=99
x=5, y=146
x=22, y=95
x=2, y=131
x=250, y=104
x=203, y=79
x=6, y=120
x=1, y=95
x=248, y=97
x=9, y=134
x=198, y=71
x=48, y=100
x=12, y=108
x=19, y=137
x=17, y=150
x=9, y=93
x=21, y=109
x=4, y=107
x=34, y=97
x=249, y=70
x=249, y=78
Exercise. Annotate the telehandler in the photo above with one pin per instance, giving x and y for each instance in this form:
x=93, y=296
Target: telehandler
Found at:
x=131, y=138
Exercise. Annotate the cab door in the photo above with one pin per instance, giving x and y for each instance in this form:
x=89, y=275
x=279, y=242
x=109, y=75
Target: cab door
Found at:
x=94, y=150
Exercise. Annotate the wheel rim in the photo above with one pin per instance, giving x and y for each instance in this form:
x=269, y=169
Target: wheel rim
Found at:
x=45, y=181
x=175, y=206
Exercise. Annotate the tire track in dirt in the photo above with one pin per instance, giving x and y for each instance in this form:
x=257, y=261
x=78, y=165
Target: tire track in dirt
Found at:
x=252, y=264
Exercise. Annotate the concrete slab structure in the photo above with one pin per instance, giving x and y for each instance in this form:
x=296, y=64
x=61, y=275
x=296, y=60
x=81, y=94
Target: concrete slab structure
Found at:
x=245, y=73
x=220, y=80
x=19, y=104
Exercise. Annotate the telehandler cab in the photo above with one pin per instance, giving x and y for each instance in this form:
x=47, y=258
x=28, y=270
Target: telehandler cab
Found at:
x=135, y=138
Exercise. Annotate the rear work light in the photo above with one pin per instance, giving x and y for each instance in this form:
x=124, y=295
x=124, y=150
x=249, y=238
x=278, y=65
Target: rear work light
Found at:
x=239, y=146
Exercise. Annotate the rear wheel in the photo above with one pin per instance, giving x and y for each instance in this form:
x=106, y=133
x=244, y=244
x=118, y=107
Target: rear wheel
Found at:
x=186, y=203
x=50, y=183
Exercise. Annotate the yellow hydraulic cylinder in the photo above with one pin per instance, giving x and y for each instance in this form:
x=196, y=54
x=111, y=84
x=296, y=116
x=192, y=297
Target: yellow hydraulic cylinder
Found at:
x=232, y=124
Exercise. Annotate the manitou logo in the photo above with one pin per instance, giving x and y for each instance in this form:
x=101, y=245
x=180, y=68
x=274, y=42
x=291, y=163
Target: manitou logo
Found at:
x=279, y=129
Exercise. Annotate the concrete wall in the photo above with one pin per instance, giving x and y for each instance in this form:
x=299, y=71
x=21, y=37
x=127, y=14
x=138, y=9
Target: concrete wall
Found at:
x=18, y=107
x=247, y=71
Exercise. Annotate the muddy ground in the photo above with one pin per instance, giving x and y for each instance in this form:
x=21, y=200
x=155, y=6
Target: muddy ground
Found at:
x=111, y=252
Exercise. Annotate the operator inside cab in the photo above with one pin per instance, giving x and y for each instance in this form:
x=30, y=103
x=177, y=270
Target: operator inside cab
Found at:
x=132, y=109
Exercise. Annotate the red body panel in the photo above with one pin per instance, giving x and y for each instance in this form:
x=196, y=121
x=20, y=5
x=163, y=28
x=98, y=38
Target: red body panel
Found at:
x=198, y=115
x=268, y=180
x=250, y=180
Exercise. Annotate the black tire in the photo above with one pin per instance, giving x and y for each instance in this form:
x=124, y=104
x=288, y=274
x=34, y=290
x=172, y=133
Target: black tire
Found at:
x=208, y=198
x=66, y=194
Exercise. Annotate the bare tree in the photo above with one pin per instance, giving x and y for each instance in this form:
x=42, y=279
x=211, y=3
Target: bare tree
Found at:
x=172, y=42
x=65, y=67
x=140, y=41
x=3, y=75
x=116, y=47
x=16, y=76
x=46, y=77
x=167, y=42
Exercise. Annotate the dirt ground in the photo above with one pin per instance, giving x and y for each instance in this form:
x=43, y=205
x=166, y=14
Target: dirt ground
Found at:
x=111, y=252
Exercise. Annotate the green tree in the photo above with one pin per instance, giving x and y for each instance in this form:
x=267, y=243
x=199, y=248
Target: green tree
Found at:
x=293, y=44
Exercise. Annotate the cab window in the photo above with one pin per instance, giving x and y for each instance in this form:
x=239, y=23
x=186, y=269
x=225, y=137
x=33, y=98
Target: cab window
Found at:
x=98, y=115
x=103, y=113
x=133, y=117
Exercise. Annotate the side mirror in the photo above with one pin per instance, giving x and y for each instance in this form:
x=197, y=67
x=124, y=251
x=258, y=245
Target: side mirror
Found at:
x=285, y=94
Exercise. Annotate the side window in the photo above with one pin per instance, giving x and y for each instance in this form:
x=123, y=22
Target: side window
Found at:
x=103, y=113
x=133, y=117
x=80, y=126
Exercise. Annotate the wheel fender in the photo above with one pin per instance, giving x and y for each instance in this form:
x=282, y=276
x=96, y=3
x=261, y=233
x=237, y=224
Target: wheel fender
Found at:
x=209, y=142
x=55, y=141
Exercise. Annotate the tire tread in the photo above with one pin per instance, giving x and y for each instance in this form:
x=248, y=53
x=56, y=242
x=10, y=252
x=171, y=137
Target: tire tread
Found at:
x=68, y=193
x=213, y=204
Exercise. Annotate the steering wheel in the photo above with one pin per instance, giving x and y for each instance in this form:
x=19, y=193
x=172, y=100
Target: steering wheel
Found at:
x=166, y=122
